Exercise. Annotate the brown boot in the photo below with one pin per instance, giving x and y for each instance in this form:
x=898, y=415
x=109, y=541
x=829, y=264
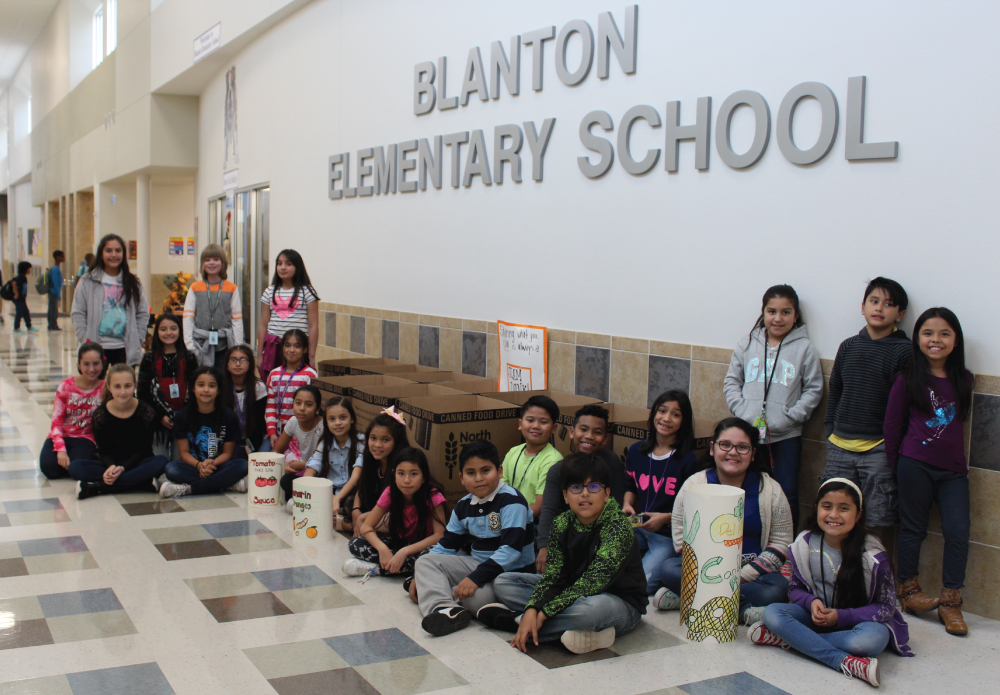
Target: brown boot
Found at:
x=912, y=598
x=950, y=612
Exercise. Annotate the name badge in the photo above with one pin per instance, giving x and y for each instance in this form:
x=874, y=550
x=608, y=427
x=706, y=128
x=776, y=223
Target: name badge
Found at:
x=175, y=391
x=213, y=337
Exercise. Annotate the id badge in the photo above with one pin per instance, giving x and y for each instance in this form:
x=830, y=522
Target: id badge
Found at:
x=761, y=424
x=175, y=391
x=213, y=337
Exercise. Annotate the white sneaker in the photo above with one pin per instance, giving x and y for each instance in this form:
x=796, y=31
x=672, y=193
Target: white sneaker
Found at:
x=353, y=567
x=289, y=507
x=666, y=600
x=170, y=490
x=240, y=486
x=583, y=641
x=753, y=614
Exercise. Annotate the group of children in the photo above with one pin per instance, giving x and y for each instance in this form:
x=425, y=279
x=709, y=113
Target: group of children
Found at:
x=573, y=549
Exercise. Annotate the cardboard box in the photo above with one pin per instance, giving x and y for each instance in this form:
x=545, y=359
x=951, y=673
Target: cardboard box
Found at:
x=344, y=385
x=342, y=366
x=441, y=425
x=473, y=384
x=568, y=405
x=627, y=425
x=628, y=433
x=369, y=401
x=432, y=377
x=392, y=368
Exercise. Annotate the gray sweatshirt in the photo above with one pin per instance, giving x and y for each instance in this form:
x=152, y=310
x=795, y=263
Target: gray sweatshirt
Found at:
x=88, y=306
x=796, y=382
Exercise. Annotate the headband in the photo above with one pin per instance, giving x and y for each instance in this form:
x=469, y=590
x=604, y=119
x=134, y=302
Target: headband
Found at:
x=391, y=412
x=861, y=499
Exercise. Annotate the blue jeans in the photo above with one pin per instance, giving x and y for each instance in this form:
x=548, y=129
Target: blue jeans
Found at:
x=76, y=448
x=793, y=623
x=591, y=613
x=768, y=589
x=784, y=457
x=226, y=475
x=140, y=476
x=21, y=312
x=657, y=549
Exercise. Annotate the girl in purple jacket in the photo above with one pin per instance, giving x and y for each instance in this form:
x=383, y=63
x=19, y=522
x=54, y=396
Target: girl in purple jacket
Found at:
x=842, y=608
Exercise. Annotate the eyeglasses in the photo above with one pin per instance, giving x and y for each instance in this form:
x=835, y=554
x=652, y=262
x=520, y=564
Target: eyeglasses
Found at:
x=592, y=488
x=238, y=360
x=741, y=449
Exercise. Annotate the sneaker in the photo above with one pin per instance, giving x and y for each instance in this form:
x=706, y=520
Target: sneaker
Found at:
x=32, y=329
x=19, y=330
x=353, y=567
x=497, y=616
x=169, y=490
x=406, y=583
x=759, y=634
x=289, y=507
x=240, y=486
x=583, y=641
x=445, y=621
x=85, y=490
x=753, y=614
x=863, y=667
x=666, y=600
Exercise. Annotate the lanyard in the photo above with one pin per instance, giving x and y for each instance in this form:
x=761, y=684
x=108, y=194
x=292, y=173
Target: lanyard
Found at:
x=650, y=502
x=218, y=301
x=822, y=576
x=767, y=382
x=283, y=391
x=527, y=468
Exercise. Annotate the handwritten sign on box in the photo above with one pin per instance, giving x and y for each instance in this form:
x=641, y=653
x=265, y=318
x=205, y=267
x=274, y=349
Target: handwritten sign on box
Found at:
x=524, y=357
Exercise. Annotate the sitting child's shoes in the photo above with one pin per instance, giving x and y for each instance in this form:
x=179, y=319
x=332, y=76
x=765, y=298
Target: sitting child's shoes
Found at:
x=171, y=490
x=445, y=621
x=353, y=567
x=863, y=667
x=240, y=486
x=85, y=490
x=497, y=616
x=289, y=506
x=584, y=641
x=666, y=600
x=753, y=614
x=759, y=634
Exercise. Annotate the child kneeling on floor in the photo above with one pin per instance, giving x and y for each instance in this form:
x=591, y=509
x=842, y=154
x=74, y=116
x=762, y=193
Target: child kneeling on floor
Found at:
x=490, y=532
x=594, y=587
x=843, y=606
x=415, y=508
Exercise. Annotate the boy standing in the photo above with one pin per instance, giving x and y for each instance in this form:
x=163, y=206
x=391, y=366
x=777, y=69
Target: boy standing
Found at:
x=863, y=373
x=21, y=298
x=594, y=587
x=55, y=289
x=525, y=466
x=493, y=523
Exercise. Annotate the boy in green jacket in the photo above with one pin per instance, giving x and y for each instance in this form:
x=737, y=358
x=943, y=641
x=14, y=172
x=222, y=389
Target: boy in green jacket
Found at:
x=593, y=588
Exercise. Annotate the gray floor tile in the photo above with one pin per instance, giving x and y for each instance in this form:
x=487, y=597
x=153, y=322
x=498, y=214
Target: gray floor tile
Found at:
x=50, y=546
x=228, y=529
x=743, y=683
x=22, y=506
x=373, y=647
x=78, y=602
x=293, y=578
x=137, y=678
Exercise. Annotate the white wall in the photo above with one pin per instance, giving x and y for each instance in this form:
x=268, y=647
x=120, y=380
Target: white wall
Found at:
x=681, y=257
x=118, y=218
x=23, y=218
x=171, y=214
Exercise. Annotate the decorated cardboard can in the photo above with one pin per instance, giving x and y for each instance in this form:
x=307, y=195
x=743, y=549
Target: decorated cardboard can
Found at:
x=264, y=471
x=312, y=509
x=711, y=562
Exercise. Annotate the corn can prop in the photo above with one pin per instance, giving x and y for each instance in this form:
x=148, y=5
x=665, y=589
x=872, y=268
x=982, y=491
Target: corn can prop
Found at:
x=711, y=558
x=263, y=473
x=312, y=509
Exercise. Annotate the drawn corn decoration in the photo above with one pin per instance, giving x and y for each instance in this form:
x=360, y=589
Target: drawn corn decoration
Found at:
x=689, y=566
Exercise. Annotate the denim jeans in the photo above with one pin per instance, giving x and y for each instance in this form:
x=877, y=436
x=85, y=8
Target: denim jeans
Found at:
x=21, y=312
x=138, y=477
x=226, y=475
x=920, y=486
x=657, y=549
x=784, y=457
x=53, y=313
x=793, y=623
x=591, y=613
x=76, y=448
x=768, y=589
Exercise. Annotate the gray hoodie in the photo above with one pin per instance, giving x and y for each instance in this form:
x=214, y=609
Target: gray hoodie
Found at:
x=88, y=306
x=796, y=383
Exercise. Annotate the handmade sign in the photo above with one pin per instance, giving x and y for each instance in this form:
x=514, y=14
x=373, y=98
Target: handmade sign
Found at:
x=264, y=471
x=711, y=555
x=312, y=509
x=524, y=357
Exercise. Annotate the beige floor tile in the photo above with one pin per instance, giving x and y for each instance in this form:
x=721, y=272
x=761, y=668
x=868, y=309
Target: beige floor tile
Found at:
x=295, y=658
x=47, y=685
x=225, y=585
x=73, y=628
x=317, y=598
x=253, y=544
x=60, y=562
x=177, y=534
x=22, y=608
x=417, y=674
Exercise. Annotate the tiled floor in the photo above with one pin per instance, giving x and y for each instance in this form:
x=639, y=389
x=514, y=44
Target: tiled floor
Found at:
x=203, y=596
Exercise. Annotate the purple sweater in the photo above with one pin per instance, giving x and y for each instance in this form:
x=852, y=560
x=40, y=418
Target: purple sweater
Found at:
x=936, y=439
x=881, y=607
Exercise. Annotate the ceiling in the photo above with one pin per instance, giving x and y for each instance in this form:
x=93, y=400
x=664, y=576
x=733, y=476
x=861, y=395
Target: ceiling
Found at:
x=20, y=23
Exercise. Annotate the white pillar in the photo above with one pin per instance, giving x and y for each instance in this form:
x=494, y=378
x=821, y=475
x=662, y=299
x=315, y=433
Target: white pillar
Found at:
x=142, y=230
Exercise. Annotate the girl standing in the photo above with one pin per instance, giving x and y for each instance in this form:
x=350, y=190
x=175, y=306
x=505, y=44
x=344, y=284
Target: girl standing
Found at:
x=656, y=469
x=340, y=450
x=284, y=381
x=71, y=437
x=21, y=310
x=416, y=508
x=213, y=314
x=289, y=302
x=109, y=306
x=924, y=441
x=300, y=437
x=841, y=609
x=246, y=395
x=164, y=378
x=767, y=520
x=386, y=433
x=123, y=430
x=775, y=381
x=206, y=433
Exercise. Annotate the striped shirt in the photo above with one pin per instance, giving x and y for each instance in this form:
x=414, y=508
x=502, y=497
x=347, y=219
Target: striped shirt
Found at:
x=284, y=387
x=283, y=317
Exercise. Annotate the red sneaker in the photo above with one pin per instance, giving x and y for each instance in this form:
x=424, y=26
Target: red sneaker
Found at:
x=863, y=667
x=759, y=634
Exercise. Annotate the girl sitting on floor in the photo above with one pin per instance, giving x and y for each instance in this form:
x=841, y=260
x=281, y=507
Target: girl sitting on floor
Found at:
x=300, y=437
x=386, y=433
x=340, y=450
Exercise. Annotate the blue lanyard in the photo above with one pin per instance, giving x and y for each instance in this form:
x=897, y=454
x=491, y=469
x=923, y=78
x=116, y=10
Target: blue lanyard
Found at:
x=283, y=391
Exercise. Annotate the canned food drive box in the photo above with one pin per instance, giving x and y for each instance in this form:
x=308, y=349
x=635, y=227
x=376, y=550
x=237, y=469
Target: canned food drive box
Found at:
x=342, y=366
x=426, y=377
x=441, y=425
x=344, y=385
x=392, y=368
x=473, y=384
x=369, y=401
x=568, y=404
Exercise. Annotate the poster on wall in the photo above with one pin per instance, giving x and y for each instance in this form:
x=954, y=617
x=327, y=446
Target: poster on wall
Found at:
x=133, y=250
x=33, y=243
x=190, y=246
x=524, y=357
x=175, y=248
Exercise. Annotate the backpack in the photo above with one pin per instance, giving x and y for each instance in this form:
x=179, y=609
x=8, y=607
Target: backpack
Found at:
x=42, y=283
x=7, y=291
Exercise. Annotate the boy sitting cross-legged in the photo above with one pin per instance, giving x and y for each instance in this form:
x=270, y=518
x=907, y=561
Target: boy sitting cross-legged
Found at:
x=494, y=524
x=594, y=587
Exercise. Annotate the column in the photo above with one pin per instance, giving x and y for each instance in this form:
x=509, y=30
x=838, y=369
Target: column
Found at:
x=142, y=230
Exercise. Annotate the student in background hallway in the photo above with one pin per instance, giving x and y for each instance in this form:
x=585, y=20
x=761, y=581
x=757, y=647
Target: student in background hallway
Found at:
x=21, y=298
x=55, y=289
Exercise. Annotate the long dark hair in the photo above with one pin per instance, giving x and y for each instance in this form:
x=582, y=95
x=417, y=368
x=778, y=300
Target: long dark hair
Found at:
x=157, y=344
x=758, y=463
x=300, y=279
x=131, y=287
x=218, y=382
x=328, y=438
x=684, y=440
x=849, y=588
x=421, y=498
x=372, y=481
x=783, y=292
x=303, y=338
x=228, y=390
x=917, y=374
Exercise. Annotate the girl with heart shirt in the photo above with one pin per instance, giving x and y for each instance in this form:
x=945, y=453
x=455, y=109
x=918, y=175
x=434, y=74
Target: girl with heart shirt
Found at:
x=289, y=302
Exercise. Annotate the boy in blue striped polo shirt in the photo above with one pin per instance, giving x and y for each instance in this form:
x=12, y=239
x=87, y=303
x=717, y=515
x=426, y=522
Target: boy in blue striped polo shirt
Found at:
x=494, y=523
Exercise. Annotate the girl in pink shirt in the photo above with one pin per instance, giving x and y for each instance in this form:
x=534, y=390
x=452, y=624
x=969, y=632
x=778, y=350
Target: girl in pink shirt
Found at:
x=71, y=437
